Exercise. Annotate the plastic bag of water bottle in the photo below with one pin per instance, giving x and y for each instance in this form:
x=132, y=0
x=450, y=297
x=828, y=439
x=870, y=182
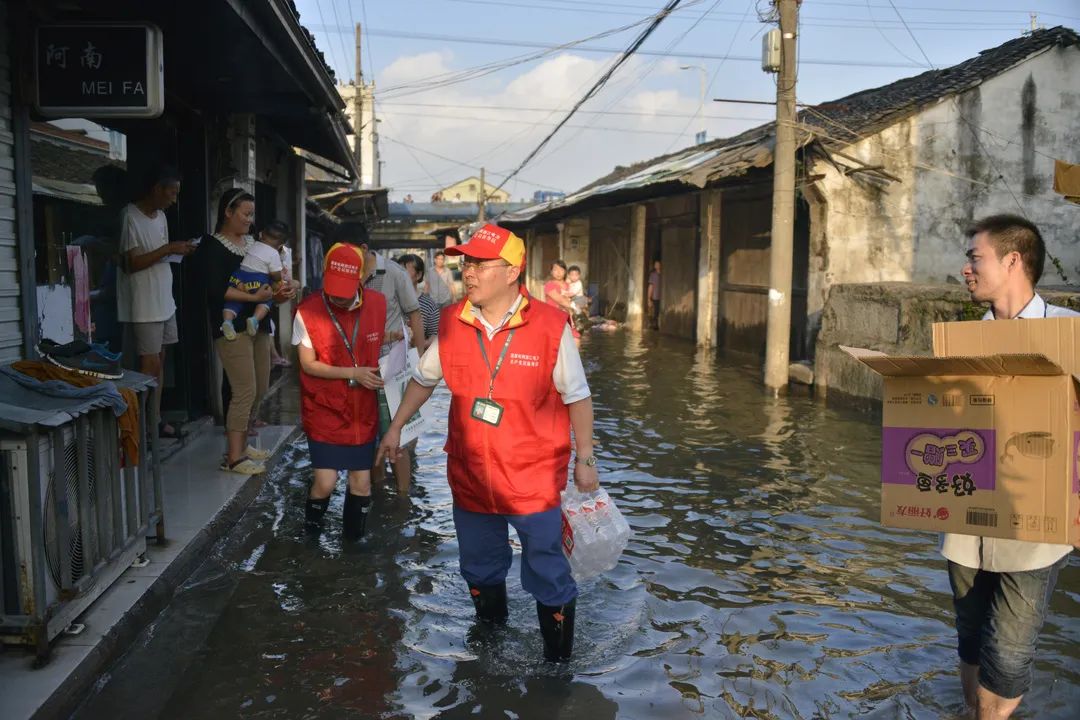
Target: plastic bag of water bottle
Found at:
x=594, y=532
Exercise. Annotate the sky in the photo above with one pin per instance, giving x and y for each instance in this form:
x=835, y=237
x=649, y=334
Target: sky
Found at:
x=465, y=84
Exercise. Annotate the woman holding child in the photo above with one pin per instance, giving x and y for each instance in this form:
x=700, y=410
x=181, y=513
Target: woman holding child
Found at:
x=231, y=303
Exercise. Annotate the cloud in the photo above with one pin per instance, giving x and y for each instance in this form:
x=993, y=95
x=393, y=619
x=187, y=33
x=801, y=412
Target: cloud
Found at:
x=494, y=122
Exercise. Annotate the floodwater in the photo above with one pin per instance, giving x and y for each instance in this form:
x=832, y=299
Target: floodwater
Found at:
x=758, y=583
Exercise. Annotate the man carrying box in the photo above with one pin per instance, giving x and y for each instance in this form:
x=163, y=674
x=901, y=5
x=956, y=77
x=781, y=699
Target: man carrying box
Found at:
x=1001, y=588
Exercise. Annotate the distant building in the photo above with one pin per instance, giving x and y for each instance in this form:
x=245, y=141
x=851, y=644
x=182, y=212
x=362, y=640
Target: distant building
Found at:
x=468, y=191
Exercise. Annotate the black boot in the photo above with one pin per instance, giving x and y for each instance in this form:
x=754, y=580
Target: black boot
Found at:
x=313, y=513
x=354, y=516
x=490, y=602
x=557, y=629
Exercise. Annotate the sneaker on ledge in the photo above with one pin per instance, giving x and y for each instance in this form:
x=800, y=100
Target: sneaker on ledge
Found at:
x=90, y=362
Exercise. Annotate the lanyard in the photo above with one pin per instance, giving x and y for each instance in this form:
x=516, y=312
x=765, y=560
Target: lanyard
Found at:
x=502, y=356
x=341, y=331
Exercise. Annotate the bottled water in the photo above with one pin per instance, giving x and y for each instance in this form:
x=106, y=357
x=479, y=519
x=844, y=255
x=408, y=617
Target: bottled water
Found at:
x=594, y=532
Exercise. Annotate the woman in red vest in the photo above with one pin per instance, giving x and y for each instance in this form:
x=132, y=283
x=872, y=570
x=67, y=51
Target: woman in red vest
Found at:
x=338, y=333
x=517, y=387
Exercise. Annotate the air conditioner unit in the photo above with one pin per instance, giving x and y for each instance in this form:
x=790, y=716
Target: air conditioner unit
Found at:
x=64, y=540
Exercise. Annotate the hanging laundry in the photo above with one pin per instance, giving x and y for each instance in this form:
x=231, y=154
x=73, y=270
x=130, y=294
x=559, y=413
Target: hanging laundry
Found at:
x=80, y=272
x=1067, y=180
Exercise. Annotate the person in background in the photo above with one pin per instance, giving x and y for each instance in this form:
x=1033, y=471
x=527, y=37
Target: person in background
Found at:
x=402, y=305
x=517, y=388
x=654, y=295
x=579, y=301
x=337, y=334
x=144, y=288
x=429, y=310
x=556, y=286
x=246, y=360
x=1002, y=588
x=446, y=275
x=289, y=277
x=261, y=266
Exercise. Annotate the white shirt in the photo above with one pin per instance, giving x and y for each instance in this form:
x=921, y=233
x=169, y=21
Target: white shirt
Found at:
x=286, y=263
x=261, y=258
x=568, y=373
x=299, y=329
x=146, y=295
x=996, y=554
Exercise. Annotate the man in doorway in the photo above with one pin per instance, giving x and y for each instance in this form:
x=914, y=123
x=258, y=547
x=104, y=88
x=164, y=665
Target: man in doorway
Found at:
x=144, y=291
x=517, y=387
x=1001, y=588
x=654, y=296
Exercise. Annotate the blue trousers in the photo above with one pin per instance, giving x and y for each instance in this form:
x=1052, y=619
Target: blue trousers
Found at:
x=484, y=550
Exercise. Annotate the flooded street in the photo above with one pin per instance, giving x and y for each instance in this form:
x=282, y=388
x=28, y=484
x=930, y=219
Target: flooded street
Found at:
x=758, y=583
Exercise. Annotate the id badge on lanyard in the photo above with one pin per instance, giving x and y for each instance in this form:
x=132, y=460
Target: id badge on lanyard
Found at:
x=486, y=410
x=351, y=382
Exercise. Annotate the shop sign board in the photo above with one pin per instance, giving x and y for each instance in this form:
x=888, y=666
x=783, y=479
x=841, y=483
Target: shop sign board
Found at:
x=97, y=70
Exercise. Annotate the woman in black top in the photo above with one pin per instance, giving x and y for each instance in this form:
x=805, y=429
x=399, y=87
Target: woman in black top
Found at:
x=246, y=360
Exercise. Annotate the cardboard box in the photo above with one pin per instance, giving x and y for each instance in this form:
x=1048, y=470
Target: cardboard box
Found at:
x=980, y=445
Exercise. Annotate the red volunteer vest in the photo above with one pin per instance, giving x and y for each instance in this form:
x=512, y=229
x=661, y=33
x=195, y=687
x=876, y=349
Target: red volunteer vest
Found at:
x=520, y=466
x=332, y=412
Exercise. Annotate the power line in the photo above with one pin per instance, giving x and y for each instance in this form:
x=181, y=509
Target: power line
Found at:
x=608, y=50
x=504, y=121
x=598, y=85
x=341, y=41
x=367, y=36
x=459, y=162
x=628, y=113
x=915, y=39
x=328, y=30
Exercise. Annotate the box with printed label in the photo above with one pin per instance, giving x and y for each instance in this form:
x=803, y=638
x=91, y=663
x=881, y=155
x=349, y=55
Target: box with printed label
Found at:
x=979, y=445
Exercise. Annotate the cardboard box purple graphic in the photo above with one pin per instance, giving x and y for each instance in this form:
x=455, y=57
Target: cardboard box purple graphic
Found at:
x=938, y=460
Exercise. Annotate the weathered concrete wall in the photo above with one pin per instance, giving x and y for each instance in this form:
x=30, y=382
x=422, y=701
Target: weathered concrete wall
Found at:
x=948, y=160
x=609, y=260
x=895, y=318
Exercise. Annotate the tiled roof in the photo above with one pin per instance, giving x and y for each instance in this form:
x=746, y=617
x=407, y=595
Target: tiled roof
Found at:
x=869, y=111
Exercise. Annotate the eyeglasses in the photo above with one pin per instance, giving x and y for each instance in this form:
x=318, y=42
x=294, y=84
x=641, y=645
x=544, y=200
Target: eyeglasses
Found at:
x=474, y=265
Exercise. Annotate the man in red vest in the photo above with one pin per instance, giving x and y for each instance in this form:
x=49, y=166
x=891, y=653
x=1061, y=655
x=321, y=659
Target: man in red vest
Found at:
x=338, y=333
x=517, y=387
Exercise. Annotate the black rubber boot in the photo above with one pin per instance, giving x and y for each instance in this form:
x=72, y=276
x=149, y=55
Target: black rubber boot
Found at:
x=314, y=511
x=557, y=629
x=490, y=603
x=354, y=516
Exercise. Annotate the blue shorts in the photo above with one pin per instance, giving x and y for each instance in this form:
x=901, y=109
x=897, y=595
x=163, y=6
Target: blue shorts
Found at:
x=247, y=281
x=998, y=619
x=484, y=550
x=326, y=456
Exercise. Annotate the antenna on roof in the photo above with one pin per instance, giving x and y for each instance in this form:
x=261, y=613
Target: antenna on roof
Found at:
x=1034, y=24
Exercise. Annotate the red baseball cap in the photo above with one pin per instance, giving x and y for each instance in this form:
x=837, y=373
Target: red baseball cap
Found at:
x=492, y=242
x=342, y=270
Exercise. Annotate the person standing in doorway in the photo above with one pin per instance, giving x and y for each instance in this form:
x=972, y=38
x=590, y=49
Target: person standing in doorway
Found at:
x=517, y=388
x=1001, y=588
x=337, y=334
x=654, y=293
x=144, y=289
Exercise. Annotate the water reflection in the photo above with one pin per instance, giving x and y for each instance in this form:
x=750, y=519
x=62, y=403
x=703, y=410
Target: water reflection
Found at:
x=758, y=583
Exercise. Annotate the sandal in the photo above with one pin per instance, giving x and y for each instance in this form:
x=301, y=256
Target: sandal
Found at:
x=256, y=454
x=168, y=432
x=243, y=466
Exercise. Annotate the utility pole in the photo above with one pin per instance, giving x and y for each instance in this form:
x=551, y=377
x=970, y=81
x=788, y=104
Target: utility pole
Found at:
x=699, y=136
x=778, y=336
x=480, y=197
x=358, y=118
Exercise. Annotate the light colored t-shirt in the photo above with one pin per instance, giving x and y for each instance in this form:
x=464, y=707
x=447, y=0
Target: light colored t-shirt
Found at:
x=144, y=296
x=437, y=289
x=392, y=281
x=568, y=375
x=447, y=276
x=262, y=258
x=996, y=554
x=574, y=289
